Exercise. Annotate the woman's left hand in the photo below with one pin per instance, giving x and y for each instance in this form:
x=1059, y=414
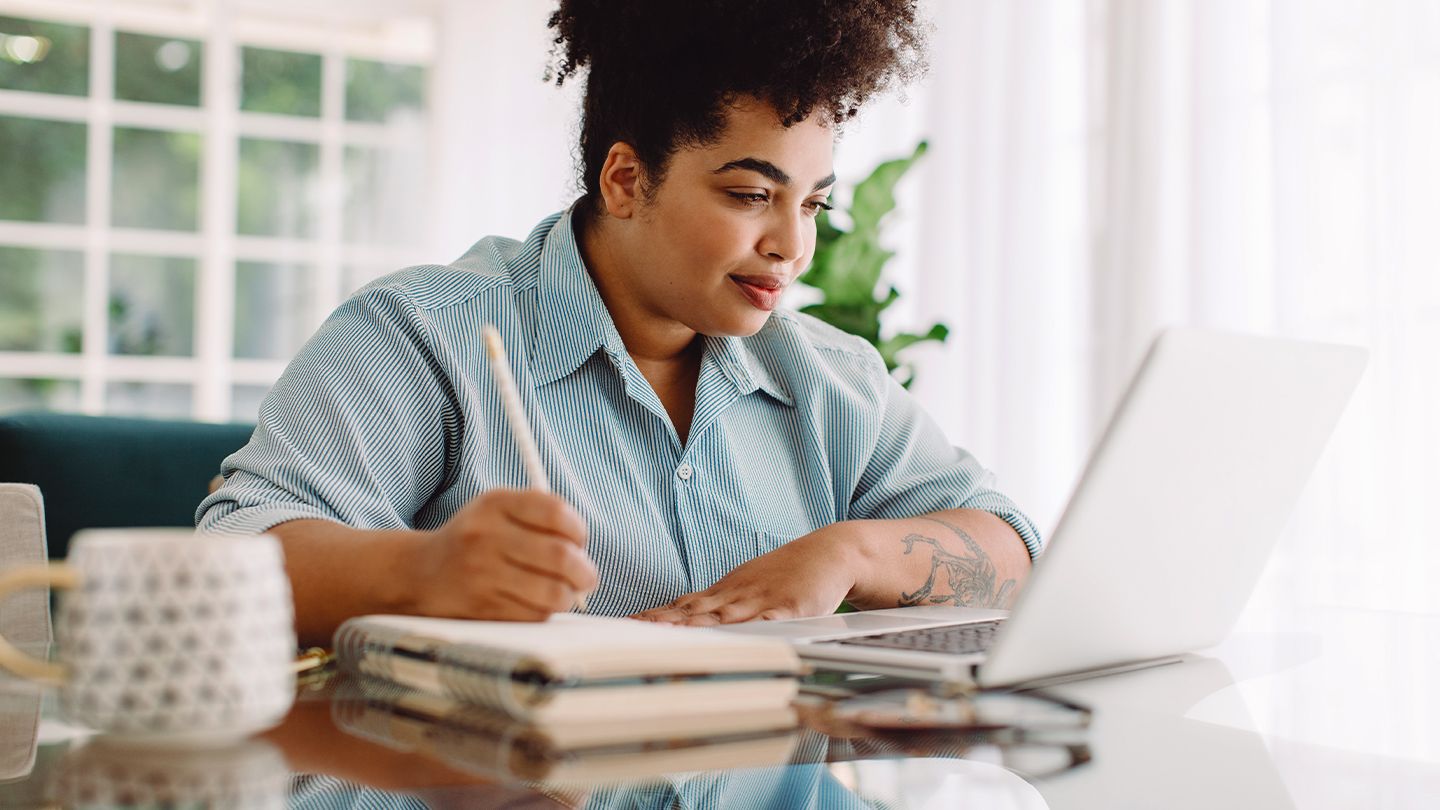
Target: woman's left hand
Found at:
x=809, y=576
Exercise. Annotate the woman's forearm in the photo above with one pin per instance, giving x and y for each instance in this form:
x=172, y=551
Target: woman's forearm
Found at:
x=959, y=557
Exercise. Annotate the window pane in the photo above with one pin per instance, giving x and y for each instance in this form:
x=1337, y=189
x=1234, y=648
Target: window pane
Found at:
x=278, y=188
x=152, y=305
x=156, y=179
x=40, y=300
x=44, y=57
x=272, y=309
x=382, y=195
x=162, y=70
x=355, y=276
x=280, y=82
x=154, y=400
x=245, y=402
x=379, y=91
x=39, y=395
x=48, y=185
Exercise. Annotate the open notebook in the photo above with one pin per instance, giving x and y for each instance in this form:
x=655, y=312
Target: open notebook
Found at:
x=573, y=668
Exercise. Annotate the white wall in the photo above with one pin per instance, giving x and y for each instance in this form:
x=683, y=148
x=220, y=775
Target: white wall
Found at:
x=502, y=137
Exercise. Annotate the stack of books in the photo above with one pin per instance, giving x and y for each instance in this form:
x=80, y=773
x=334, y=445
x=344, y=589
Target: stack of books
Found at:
x=576, y=699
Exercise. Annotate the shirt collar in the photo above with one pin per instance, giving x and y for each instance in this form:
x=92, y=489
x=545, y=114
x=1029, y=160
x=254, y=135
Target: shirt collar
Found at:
x=573, y=321
x=742, y=361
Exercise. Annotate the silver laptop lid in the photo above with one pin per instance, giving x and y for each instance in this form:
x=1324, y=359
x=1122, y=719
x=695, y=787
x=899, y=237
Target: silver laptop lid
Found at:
x=1182, y=500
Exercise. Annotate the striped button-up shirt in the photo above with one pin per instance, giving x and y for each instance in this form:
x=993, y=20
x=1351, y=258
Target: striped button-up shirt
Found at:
x=389, y=418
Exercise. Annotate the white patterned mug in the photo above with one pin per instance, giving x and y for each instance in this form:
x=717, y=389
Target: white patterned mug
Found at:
x=166, y=635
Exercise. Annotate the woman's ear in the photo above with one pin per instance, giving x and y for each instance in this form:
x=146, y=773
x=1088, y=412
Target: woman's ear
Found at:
x=620, y=181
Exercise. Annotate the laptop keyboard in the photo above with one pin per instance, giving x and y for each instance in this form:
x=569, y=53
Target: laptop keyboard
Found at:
x=952, y=639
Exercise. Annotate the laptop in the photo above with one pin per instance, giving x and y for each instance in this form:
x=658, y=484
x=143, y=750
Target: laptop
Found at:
x=1162, y=541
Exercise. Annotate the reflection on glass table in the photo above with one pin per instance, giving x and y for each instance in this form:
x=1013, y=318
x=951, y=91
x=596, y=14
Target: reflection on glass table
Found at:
x=342, y=746
x=735, y=762
x=250, y=774
x=1173, y=737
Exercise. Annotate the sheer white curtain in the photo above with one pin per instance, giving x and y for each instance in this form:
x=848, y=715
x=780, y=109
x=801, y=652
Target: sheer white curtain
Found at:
x=1102, y=169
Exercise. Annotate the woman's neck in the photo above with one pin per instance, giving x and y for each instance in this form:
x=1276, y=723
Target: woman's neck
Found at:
x=652, y=340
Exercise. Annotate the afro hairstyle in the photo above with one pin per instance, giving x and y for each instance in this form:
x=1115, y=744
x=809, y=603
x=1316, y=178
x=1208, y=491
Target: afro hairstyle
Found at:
x=661, y=74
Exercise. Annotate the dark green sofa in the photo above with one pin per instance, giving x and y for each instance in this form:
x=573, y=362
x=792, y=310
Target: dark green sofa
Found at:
x=107, y=471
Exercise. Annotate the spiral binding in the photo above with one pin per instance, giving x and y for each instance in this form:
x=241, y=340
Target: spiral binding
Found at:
x=466, y=672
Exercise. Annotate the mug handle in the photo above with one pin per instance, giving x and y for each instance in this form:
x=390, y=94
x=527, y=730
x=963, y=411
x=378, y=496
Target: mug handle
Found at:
x=58, y=575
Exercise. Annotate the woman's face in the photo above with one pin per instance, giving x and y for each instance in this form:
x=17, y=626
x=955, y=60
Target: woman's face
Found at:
x=730, y=226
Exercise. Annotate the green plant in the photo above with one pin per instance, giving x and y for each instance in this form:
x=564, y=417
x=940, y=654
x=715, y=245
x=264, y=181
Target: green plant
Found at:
x=847, y=266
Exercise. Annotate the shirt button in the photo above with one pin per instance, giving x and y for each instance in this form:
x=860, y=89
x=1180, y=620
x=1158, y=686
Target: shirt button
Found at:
x=685, y=471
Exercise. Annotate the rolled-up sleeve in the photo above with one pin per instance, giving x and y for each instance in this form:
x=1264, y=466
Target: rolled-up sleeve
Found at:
x=360, y=429
x=915, y=470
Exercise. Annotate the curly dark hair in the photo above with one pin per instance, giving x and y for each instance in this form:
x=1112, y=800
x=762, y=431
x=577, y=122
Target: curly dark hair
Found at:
x=662, y=73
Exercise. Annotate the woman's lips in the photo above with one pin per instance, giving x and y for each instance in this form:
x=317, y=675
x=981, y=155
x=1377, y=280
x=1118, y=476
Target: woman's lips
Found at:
x=762, y=291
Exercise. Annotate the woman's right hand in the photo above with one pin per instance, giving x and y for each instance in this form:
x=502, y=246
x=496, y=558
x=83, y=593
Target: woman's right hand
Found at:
x=508, y=555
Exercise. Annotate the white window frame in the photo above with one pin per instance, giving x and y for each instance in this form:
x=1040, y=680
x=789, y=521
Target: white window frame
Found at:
x=224, y=27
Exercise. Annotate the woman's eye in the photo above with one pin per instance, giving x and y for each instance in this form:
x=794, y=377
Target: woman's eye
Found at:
x=749, y=197
x=816, y=206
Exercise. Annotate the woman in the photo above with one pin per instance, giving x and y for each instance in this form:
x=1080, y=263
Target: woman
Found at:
x=714, y=458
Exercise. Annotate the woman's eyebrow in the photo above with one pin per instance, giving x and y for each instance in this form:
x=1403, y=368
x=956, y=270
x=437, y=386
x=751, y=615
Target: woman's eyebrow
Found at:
x=770, y=171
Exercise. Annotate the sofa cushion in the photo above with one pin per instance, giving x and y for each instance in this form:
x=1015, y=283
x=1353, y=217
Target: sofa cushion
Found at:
x=111, y=471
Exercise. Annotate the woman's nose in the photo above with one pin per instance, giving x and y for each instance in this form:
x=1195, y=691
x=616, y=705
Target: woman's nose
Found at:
x=785, y=238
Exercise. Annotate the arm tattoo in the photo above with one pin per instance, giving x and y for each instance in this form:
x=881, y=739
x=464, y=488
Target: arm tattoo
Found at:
x=969, y=580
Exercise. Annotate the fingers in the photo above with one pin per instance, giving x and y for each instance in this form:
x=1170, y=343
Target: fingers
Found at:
x=508, y=608
x=537, y=591
x=550, y=557
x=703, y=610
x=539, y=511
x=509, y=555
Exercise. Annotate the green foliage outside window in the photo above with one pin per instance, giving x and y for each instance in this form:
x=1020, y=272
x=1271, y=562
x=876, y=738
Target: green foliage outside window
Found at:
x=44, y=57
x=283, y=82
x=157, y=70
x=374, y=91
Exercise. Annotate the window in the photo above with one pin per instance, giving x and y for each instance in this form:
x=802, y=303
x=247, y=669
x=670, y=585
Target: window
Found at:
x=189, y=190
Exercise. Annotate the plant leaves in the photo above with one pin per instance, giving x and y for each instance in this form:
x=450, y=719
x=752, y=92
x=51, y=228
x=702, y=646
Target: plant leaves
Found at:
x=825, y=230
x=862, y=319
x=847, y=266
x=849, y=269
x=875, y=195
x=904, y=340
x=892, y=346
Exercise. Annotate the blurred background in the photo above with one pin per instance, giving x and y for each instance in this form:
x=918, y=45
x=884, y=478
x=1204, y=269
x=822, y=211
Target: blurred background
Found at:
x=187, y=187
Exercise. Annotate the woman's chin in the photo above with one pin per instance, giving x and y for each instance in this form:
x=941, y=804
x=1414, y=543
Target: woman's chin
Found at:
x=744, y=326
